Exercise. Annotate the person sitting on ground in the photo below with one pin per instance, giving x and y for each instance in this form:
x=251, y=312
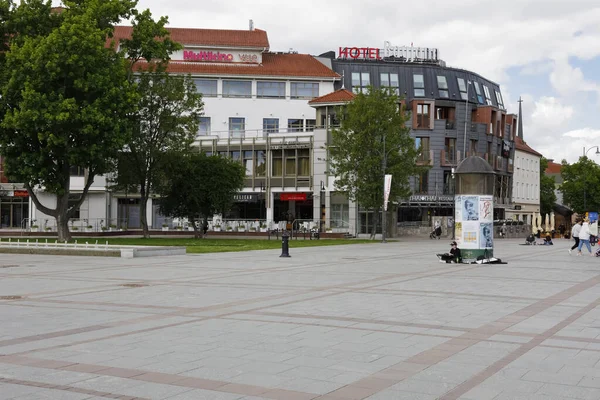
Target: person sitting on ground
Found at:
x=453, y=256
x=548, y=240
x=530, y=239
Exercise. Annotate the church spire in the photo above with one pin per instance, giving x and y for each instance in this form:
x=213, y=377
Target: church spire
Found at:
x=520, y=133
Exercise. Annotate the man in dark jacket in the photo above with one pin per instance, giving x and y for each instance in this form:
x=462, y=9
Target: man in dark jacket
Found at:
x=453, y=256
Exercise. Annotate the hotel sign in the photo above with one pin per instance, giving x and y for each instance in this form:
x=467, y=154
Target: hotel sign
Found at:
x=407, y=53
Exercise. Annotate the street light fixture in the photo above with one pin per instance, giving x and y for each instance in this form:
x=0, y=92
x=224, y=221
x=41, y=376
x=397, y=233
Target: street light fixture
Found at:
x=584, y=188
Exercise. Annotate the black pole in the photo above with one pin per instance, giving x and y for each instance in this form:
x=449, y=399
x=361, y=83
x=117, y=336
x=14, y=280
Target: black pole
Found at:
x=285, y=246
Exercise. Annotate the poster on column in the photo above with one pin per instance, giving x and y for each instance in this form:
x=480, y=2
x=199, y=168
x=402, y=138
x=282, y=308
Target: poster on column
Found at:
x=474, y=221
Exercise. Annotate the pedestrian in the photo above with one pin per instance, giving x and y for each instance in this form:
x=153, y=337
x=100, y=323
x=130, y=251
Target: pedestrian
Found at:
x=204, y=227
x=584, y=237
x=575, y=234
x=438, y=229
x=503, y=230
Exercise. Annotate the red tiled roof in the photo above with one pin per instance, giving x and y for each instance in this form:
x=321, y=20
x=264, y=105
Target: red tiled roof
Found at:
x=553, y=168
x=339, y=96
x=297, y=65
x=522, y=146
x=208, y=37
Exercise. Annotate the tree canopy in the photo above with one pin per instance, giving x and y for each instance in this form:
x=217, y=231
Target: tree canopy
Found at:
x=581, y=185
x=547, y=187
x=196, y=186
x=373, y=140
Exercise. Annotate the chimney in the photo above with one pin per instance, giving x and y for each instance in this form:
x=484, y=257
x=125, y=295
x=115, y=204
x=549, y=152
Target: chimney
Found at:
x=251, y=25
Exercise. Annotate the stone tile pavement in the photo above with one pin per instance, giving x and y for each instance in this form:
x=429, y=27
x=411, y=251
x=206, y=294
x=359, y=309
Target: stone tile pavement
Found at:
x=378, y=321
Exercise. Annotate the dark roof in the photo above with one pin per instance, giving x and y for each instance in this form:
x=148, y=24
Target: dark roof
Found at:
x=474, y=165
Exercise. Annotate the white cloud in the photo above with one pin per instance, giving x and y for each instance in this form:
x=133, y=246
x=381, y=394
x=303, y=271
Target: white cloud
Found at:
x=568, y=80
x=549, y=112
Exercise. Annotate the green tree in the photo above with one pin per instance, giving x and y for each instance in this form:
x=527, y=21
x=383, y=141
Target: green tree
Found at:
x=581, y=185
x=66, y=100
x=196, y=186
x=168, y=110
x=373, y=140
x=547, y=187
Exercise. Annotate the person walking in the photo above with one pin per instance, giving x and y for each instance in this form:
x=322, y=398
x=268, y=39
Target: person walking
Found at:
x=575, y=234
x=584, y=237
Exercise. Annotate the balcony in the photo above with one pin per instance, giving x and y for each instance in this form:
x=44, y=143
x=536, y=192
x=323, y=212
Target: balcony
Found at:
x=449, y=159
x=450, y=125
x=426, y=158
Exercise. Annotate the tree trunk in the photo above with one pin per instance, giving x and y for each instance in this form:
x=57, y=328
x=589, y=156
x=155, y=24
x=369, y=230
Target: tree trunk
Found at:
x=196, y=231
x=62, y=219
x=374, y=226
x=143, y=208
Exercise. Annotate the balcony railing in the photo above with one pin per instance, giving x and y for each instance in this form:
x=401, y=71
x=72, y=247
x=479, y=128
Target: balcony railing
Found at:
x=448, y=158
x=425, y=158
x=257, y=133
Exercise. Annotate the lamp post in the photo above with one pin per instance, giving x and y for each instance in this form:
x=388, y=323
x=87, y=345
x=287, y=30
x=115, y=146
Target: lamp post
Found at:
x=453, y=206
x=584, y=188
x=466, y=120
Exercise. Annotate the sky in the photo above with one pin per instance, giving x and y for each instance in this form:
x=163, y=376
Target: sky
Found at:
x=545, y=51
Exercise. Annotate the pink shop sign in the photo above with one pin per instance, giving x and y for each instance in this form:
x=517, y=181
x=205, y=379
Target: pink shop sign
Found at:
x=189, y=55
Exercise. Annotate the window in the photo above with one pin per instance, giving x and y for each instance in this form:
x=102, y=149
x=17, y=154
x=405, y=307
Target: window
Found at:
x=423, y=116
x=499, y=99
x=303, y=162
x=360, y=81
x=72, y=200
x=422, y=182
x=478, y=91
x=295, y=125
x=270, y=125
x=462, y=87
x=248, y=162
x=237, y=126
x=204, y=126
x=277, y=166
x=270, y=90
x=390, y=81
x=340, y=215
x=422, y=144
x=448, y=183
x=237, y=89
x=207, y=87
x=261, y=165
x=488, y=99
x=473, y=148
x=450, y=149
x=310, y=125
x=76, y=171
x=442, y=86
x=290, y=162
x=304, y=90
x=419, y=85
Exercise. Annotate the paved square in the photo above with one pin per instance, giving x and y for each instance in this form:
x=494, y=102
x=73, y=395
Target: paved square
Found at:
x=379, y=321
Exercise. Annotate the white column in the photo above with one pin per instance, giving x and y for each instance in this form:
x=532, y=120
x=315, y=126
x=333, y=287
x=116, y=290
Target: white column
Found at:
x=352, y=214
x=328, y=209
x=149, y=213
x=270, y=209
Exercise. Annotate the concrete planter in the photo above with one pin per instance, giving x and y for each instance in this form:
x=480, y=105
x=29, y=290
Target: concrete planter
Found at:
x=165, y=228
x=263, y=229
x=217, y=229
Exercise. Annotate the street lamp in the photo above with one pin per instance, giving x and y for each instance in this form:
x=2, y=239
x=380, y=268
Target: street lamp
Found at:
x=584, y=188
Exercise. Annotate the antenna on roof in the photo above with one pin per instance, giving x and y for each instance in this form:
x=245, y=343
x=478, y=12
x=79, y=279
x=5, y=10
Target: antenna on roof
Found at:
x=251, y=25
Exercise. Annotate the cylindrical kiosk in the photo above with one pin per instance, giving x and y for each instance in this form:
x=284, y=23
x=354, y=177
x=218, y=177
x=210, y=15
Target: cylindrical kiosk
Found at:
x=474, y=208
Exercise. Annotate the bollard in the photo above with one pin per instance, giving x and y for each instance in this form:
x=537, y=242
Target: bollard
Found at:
x=285, y=247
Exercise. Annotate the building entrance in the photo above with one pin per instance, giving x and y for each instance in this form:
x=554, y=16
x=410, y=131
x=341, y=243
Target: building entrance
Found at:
x=13, y=212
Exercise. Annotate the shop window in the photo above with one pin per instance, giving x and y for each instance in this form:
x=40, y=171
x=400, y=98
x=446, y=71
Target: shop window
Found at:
x=303, y=162
x=249, y=162
x=423, y=116
x=270, y=125
x=277, y=166
x=422, y=182
x=422, y=144
x=419, y=85
x=360, y=82
x=478, y=92
x=295, y=125
x=442, y=86
x=391, y=82
x=488, y=98
x=261, y=164
x=204, y=126
x=237, y=127
x=462, y=87
x=208, y=87
x=304, y=90
x=237, y=89
x=271, y=90
x=310, y=125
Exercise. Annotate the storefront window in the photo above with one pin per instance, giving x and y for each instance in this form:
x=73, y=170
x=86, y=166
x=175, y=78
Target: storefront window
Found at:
x=261, y=165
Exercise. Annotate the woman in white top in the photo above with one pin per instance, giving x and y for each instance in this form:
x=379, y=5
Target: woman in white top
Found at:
x=584, y=237
x=575, y=234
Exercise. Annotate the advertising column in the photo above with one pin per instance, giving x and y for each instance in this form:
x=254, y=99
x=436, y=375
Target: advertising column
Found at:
x=474, y=216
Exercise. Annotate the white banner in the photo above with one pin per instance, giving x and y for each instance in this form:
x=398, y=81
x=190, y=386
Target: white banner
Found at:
x=387, y=184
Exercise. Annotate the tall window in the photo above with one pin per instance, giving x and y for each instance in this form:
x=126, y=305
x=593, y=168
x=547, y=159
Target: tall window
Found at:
x=488, y=98
x=304, y=90
x=422, y=182
x=270, y=90
x=310, y=125
x=423, y=116
x=340, y=215
x=473, y=147
x=448, y=183
x=499, y=99
x=237, y=127
x=249, y=162
x=462, y=87
x=303, y=162
x=277, y=167
x=419, y=85
x=450, y=149
x=208, y=87
x=391, y=82
x=442, y=86
x=360, y=81
x=290, y=162
x=295, y=125
x=422, y=144
x=204, y=126
x=237, y=89
x=478, y=91
x=261, y=163
x=270, y=125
